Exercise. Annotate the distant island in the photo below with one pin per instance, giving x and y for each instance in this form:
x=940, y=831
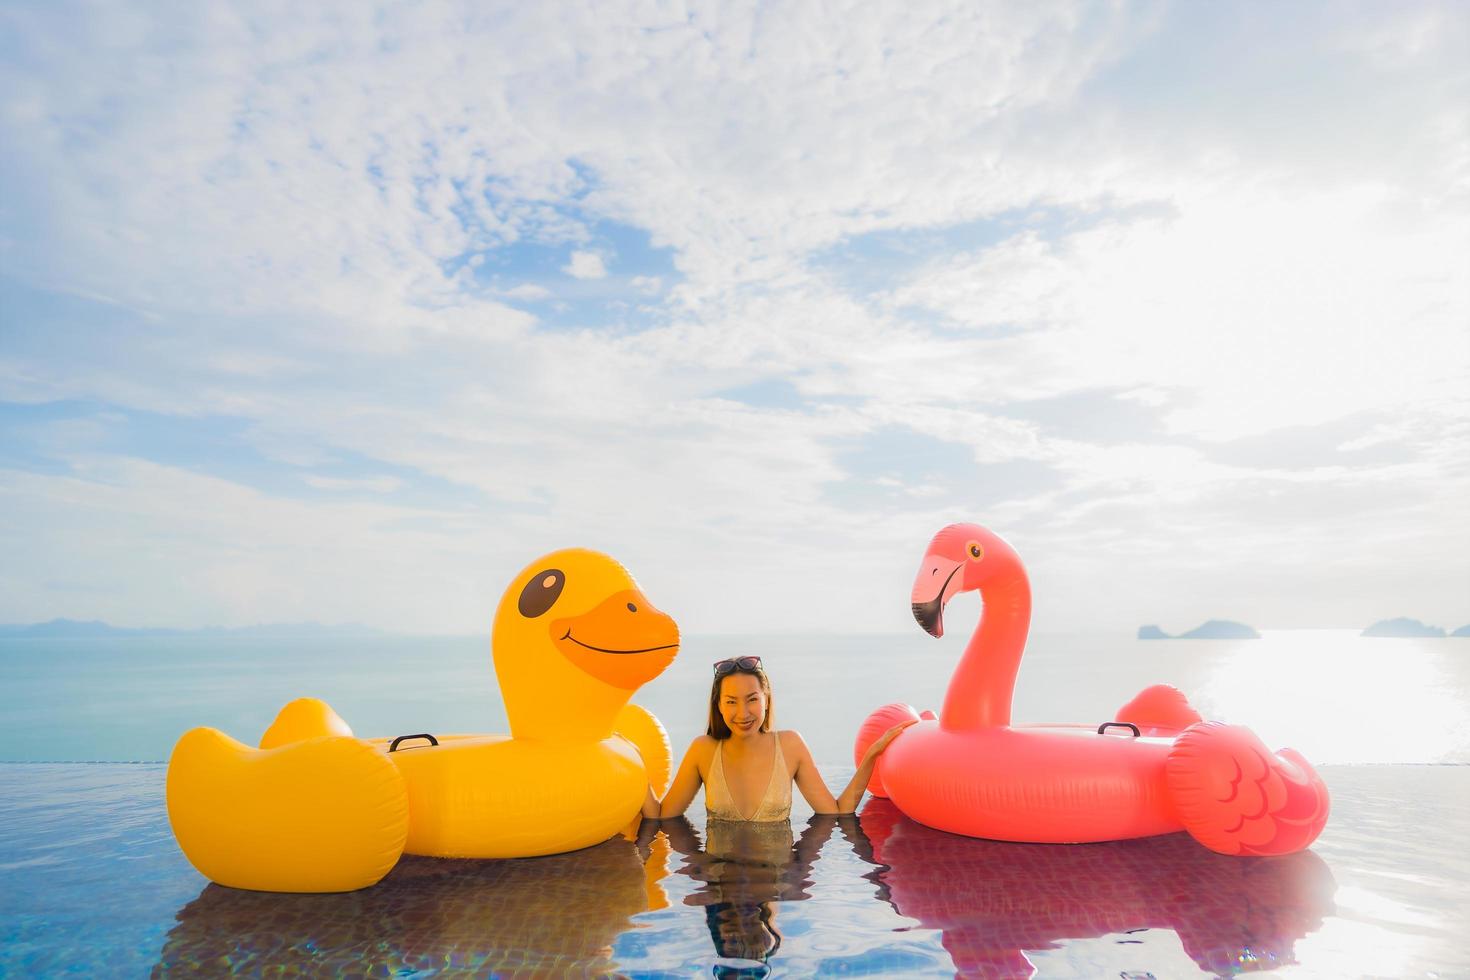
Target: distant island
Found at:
x=74, y=628
x=1214, y=629
x=1405, y=627
x=1462, y=631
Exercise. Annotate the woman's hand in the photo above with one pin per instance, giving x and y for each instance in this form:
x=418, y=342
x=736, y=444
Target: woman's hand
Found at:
x=848, y=801
x=876, y=749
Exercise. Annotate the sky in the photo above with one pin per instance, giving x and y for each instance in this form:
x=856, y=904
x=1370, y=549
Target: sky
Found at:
x=345, y=312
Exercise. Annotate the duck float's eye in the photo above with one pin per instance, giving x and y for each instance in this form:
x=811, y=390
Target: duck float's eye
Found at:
x=975, y=550
x=541, y=593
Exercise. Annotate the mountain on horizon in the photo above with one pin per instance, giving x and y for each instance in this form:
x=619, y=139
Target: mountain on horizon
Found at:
x=1404, y=627
x=95, y=627
x=1214, y=629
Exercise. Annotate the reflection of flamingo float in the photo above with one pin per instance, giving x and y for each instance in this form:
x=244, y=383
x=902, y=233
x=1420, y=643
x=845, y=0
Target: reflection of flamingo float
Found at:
x=970, y=771
x=995, y=901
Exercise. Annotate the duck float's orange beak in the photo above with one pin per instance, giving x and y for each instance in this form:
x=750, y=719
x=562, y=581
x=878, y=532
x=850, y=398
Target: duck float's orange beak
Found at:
x=938, y=580
x=624, y=641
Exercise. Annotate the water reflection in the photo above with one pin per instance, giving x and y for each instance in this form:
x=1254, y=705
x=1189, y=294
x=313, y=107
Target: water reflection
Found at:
x=995, y=900
x=745, y=870
x=990, y=902
x=545, y=916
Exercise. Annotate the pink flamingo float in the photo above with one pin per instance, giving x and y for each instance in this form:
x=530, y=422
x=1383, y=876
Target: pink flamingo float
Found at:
x=1156, y=768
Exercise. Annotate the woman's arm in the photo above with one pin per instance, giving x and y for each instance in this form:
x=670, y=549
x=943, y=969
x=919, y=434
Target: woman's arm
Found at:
x=685, y=785
x=858, y=785
x=809, y=781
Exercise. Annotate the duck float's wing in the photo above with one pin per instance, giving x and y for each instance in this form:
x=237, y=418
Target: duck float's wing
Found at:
x=1236, y=797
x=327, y=814
x=302, y=719
x=641, y=727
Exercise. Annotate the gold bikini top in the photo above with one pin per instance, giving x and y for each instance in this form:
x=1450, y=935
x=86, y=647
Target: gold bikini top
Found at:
x=774, y=805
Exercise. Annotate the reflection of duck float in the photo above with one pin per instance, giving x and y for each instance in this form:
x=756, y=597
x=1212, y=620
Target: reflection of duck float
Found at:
x=972, y=772
x=315, y=809
x=554, y=916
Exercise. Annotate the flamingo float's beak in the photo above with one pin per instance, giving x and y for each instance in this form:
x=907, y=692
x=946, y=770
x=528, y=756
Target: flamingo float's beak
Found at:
x=937, y=582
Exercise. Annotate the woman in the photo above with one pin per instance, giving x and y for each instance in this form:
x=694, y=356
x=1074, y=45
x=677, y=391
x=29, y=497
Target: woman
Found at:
x=747, y=769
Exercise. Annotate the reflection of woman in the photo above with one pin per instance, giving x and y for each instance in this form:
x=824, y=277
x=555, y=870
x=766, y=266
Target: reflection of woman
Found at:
x=747, y=867
x=746, y=768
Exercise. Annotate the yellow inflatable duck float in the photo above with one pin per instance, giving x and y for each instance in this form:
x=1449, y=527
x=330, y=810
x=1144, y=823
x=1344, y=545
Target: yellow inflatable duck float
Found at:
x=315, y=809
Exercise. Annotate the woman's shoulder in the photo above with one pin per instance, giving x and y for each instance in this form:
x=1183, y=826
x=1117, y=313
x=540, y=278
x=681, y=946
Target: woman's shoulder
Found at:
x=791, y=740
x=701, y=753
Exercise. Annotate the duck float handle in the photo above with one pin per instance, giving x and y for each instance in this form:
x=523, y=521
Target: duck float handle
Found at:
x=393, y=746
x=1103, y=728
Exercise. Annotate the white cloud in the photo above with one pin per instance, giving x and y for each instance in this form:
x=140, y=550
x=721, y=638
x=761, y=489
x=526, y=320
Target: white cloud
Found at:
x=374, y=484
x=122, y=510
x=280, y=224
x=585, y=265
x=319, y=170
x=1425, y=33
x=527, y=291
x=1268, y=311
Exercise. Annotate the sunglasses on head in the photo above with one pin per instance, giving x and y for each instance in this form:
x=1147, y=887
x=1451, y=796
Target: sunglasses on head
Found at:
x=723, y=667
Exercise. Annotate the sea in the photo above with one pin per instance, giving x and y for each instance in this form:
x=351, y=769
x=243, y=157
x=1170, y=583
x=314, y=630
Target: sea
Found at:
x=91, y=882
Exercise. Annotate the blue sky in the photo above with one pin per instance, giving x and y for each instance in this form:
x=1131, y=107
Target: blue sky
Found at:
x=346, y=312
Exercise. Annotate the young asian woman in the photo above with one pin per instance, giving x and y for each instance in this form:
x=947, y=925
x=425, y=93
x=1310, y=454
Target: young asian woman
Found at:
x=747, y=768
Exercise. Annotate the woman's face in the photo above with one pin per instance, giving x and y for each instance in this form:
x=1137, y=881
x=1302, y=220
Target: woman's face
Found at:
x=742, y=704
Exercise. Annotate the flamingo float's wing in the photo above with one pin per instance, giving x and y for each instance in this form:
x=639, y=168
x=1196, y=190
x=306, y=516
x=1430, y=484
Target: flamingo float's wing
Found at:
x=1237, y=797
x=1159, y=710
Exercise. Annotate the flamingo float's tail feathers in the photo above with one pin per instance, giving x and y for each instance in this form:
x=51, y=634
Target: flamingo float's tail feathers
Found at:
x=1236, y=797
x=1158, y=710
x=875, y=725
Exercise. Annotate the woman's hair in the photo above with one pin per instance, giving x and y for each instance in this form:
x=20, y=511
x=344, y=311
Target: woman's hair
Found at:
x=717, y=726
x=742, y=931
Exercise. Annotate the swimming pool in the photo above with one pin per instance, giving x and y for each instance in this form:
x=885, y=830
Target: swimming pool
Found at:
x=92, y=884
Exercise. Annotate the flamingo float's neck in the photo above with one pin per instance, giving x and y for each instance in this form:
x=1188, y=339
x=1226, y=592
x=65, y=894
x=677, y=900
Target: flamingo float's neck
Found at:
x=980, y=691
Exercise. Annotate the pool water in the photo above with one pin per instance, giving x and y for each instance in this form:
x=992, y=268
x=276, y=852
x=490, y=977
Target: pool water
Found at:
x=92, y=884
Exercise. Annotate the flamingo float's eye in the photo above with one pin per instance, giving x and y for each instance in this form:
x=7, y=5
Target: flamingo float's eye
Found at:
x=541, y=593
x=975, y=550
